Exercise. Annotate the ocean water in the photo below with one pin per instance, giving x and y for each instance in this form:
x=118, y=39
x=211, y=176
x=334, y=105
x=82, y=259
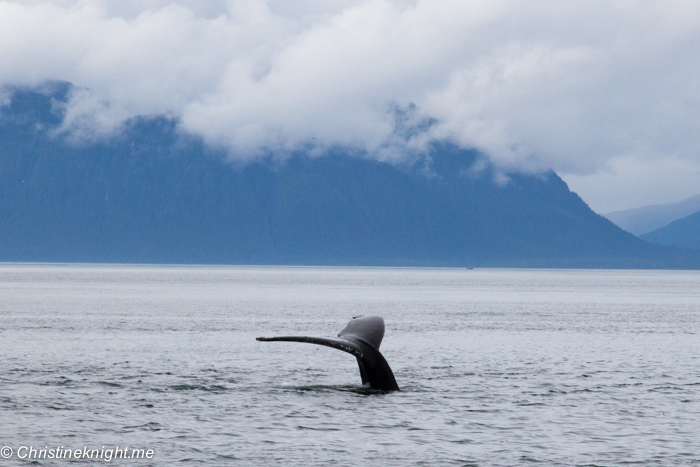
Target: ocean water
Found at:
x=497, y=367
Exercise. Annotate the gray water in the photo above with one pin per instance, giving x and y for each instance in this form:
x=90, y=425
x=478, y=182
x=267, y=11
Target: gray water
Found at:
x=497, y=367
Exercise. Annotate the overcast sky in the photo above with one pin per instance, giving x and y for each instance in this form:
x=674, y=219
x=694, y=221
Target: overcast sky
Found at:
x=606, y=93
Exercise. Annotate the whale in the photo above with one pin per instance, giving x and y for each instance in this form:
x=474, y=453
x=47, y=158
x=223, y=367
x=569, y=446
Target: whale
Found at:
x=361, y=337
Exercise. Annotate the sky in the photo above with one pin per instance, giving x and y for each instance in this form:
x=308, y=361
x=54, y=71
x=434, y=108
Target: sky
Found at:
x=606, y=93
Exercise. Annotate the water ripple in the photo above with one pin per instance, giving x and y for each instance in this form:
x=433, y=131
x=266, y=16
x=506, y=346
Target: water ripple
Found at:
x=497, y=368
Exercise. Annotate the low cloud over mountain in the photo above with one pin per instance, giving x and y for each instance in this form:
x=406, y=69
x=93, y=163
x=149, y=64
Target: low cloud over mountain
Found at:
x=153, y=194
x=601, y=92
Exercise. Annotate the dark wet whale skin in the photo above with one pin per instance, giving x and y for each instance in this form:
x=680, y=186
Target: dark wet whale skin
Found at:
x=361, y=337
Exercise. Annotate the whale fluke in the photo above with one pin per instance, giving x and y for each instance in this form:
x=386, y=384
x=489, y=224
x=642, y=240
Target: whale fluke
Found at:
x=361, y=337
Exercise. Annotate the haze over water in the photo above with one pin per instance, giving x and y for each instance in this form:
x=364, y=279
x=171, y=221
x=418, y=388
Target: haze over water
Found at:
x=497, y=367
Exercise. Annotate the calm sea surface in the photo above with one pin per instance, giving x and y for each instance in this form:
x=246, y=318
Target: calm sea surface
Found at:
x=497, y=367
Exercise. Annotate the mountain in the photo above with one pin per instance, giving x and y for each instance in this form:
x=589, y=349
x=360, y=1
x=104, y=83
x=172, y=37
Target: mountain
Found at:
x=683, y=233
x=153, y=195
x=647, y=218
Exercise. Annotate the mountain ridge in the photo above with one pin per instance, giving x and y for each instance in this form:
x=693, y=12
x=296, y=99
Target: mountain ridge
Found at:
x=153, y=195
x=645, y=219
x=684, y=233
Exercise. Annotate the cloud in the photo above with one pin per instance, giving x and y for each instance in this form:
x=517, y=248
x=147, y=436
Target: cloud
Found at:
x=632, y=181
x=573, y=86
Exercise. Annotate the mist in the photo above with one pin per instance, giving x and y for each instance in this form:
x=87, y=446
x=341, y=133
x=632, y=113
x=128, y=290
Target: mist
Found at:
x=604, y=93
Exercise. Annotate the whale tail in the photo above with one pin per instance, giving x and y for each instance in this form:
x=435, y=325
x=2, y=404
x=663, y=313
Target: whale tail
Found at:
x=361, y=337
